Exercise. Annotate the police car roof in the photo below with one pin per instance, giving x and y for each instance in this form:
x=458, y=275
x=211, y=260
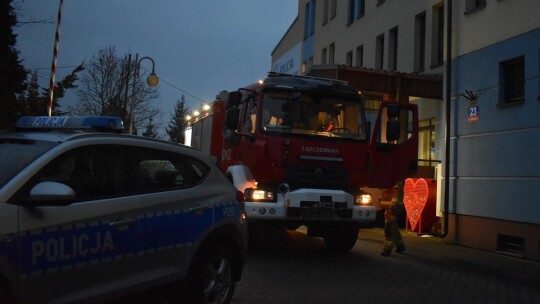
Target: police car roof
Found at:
x=64, y=128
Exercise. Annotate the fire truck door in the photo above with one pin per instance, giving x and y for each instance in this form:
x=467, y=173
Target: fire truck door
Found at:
x=394, y=146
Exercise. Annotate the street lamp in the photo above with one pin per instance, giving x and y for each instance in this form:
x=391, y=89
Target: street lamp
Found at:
x=152, y=80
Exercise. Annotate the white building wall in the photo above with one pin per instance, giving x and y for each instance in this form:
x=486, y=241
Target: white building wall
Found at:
x=377, y=20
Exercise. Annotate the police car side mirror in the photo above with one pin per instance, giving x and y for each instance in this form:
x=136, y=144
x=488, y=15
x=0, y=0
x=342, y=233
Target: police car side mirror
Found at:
x=51, y=194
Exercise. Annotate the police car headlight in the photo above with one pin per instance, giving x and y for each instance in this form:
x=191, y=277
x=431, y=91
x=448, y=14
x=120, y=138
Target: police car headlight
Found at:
x=259, y=195
x=363, y=199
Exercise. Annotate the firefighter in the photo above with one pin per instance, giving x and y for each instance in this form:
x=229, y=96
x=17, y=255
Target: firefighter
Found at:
x=394, y=209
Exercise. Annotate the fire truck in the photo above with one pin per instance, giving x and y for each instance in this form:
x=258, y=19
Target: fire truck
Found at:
x=304, y=151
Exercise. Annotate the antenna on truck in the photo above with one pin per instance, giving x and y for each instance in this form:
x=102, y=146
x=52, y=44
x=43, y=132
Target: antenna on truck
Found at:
x=277, y=74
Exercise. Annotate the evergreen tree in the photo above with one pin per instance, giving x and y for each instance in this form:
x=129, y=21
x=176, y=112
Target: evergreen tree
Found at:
x=177, y=124
x=12, y=72
x=17, y=97
x=35, y=104
x=151, y=129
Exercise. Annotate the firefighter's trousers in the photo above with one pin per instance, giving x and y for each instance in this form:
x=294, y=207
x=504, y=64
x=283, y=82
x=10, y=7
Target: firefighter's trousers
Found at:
x=392, y=236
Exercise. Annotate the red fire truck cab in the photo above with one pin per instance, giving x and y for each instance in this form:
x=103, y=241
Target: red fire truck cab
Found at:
x=302, y=150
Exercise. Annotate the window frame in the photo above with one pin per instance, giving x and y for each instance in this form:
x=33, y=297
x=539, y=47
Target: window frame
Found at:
x=393, y=41
x=361, y=9
x=472, y=6
x=512, y=78
x=379, y=52
x=360, y=56
x=332, y=53
x=420, y=38
x=349, y=58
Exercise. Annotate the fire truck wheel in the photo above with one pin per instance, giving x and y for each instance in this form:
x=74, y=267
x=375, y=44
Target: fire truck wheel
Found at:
x=341, y=239
x=212, y=280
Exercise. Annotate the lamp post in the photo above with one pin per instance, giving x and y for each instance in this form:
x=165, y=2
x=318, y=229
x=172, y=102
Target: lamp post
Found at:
x=152, y=80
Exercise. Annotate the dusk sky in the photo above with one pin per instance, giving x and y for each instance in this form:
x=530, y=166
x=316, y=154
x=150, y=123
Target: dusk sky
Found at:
x=200, y=47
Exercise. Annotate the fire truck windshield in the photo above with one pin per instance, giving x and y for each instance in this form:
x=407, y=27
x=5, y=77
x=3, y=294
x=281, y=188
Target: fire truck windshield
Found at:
x=312, y=114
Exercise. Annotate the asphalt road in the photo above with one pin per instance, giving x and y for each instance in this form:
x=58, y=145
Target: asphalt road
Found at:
x=297, y=269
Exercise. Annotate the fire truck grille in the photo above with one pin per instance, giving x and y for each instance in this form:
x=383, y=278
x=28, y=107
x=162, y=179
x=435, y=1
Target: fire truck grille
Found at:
x=309, y=177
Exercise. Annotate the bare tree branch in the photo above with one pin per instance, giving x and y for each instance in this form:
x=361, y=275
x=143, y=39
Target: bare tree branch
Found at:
x=107, y=89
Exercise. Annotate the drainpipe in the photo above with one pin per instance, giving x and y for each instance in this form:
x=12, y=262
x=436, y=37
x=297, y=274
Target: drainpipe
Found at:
x=448, y=96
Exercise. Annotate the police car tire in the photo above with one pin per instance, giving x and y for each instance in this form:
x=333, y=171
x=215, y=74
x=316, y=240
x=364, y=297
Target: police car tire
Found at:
x=216, y=262
x=4, y=295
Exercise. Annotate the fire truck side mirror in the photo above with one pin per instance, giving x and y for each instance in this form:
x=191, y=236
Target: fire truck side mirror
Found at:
x=393, y=110
x=393, y=126
x=392, y=130
x=232, y=116
x=235, y=98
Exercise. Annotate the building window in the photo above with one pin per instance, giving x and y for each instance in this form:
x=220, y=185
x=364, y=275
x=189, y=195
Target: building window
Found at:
x=361, y=9
x=309, y=19
x=512, y=80
x=331, y=53
x=420, y=42
x=323, y=56
x=426, y=143
x=360, y=56
x=437, y=43
x=474, y=5
x=325, y=11
x=352, y=10
x=306, y=21
x=379, y=52
x=333, y=5
x=393, y=49
x=349, y=57
x=312, y=18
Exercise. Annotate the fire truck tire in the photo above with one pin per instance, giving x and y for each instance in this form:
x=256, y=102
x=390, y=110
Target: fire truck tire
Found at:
x=262, y=236
x=341, y=239
x=212, y=280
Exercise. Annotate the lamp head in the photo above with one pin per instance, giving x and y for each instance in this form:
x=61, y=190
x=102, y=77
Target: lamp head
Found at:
x=152, y=79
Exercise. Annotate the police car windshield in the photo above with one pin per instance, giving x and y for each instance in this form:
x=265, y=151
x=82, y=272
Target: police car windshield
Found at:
x=312, y=114
x=16, y=154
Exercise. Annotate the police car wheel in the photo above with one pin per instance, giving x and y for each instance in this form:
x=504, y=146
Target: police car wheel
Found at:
x=213, y=279
x=4, y=295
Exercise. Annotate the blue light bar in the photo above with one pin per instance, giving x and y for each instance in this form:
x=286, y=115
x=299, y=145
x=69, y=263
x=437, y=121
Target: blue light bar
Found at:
x=99, y=123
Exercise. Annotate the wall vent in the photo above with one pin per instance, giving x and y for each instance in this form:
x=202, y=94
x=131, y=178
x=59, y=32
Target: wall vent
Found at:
x=512, y=245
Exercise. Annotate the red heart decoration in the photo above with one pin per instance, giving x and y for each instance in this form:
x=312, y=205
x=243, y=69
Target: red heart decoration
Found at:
x=415, y=194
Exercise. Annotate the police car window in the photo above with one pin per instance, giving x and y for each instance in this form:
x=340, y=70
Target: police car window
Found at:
x=16, y=154
x=92, y=172
x=152, y=170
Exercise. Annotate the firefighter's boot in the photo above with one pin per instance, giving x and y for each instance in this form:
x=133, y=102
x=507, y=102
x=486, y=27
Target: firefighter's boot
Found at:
x=400, y=248
x=387, y=249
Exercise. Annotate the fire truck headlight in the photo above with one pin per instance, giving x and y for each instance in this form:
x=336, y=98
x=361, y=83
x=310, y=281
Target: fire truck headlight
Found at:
x=363, y=199
x=259, y=195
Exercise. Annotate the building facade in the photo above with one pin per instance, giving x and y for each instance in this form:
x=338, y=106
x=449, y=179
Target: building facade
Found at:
x=494, y=192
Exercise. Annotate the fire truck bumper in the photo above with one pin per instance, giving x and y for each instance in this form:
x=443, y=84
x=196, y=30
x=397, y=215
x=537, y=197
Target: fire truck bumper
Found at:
x=307, y=205
x=364, y=214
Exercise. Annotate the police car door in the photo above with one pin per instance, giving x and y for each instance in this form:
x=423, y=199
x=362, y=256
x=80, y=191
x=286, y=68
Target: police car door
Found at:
x=177, y=213
x=75, y=249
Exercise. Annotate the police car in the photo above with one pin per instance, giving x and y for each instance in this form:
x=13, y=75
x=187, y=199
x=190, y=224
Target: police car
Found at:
x=87, y=215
